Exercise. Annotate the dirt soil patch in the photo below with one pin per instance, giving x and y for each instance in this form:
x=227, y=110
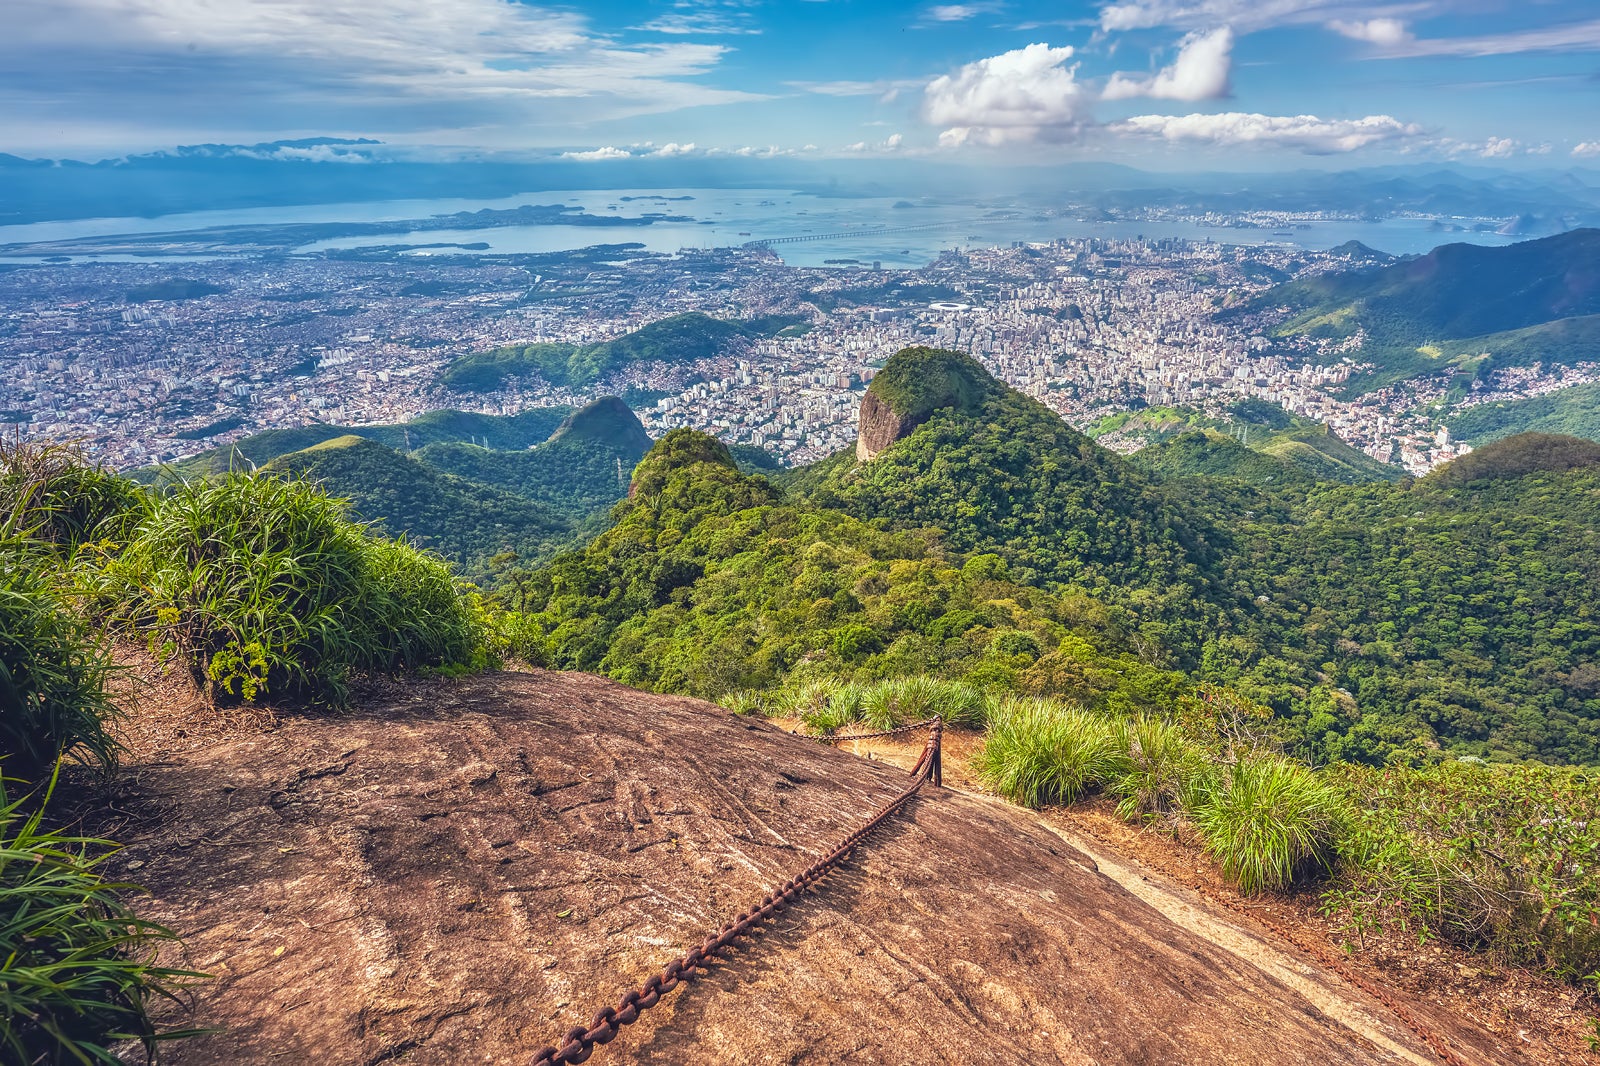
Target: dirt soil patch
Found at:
x=460, y=871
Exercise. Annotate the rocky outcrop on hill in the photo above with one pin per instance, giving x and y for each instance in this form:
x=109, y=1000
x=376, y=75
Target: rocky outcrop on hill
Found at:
x=458, y=872
x=913, y=384
x=880, y=427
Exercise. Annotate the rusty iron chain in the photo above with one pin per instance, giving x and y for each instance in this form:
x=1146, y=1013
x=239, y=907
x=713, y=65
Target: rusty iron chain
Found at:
x=579, y=1042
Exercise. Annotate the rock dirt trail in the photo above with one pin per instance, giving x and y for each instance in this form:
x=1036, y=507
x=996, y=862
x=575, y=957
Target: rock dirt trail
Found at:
x=460, y=871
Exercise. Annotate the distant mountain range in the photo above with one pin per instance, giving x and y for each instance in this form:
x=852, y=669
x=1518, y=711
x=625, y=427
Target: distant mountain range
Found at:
x=1461, y=308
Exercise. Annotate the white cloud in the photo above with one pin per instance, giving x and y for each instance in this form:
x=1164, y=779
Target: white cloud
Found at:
x=341, y=64
x=303, y=153
x=682, y=23
x=889, y=145
x=954, y=12
x=1498, y=148
x=1572, y=37
x=1586, y=150
x=886, y=90
x=1246, y=16
x=1308, y=133
x=674, y=148
x=1199, y=73
x=1028, y=94
x=597, y=154
x=1382, y=31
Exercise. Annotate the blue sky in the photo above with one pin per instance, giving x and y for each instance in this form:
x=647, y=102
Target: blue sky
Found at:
x=1166, y=84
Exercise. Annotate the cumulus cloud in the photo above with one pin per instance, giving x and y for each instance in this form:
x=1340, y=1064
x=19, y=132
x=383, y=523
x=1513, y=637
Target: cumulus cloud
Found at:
x=1383, y=32
x=672, y=148
x=1498, y=148
x=598, y=154
x=1307, y=133
x=890, y=144
x=300, y=153
x=1199, y=73
x=1586, y=150
x=1027, y=94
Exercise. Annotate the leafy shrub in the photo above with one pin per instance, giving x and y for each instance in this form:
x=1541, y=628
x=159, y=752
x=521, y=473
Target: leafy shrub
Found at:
x=1040, y=752
x=1163, y=765
x=55, y=494
x=52, y=675
x=77, y=967
x=265, y=585
x=1504, y=858
x=1268, y=821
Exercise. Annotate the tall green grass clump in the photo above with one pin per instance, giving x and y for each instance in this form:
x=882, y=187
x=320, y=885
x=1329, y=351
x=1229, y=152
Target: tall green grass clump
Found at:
x=1164, y=767
x=262, y=584
x=52, y=671
x=56, y=495
x=1040, y=752
x=823, y=706
x=892, y=703
x=1268, y=820
x=77, y=970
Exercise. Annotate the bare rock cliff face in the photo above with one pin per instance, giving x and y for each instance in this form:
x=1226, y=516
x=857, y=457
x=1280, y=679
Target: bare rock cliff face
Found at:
x=880, y=426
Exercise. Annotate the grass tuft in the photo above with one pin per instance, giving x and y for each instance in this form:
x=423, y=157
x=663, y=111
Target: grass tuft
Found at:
x=1162, y=766
x=1041, y=752
x=52, y=670
x=1269, y=821
x=77, y=969
x=262, y=584
x=56, y=495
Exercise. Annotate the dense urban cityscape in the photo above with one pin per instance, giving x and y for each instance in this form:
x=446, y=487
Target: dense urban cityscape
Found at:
x=147, y=362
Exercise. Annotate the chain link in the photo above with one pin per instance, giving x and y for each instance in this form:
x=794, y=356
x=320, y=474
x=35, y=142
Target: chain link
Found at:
x=580, y=1042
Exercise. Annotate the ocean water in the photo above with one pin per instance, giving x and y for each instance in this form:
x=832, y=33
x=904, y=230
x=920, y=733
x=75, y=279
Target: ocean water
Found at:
x=839, y=227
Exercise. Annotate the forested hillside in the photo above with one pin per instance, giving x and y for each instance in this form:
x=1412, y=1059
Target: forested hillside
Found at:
x=465, y=521
x=580, y=471
x=1460, y=307
x=1574, y=411
x=486, y=508
x=712, y=580
x=678, y=338
x=1378, y=621
x=505, y=432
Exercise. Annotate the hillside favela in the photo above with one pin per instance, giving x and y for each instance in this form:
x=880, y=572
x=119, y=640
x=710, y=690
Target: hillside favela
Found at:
x=800, y=532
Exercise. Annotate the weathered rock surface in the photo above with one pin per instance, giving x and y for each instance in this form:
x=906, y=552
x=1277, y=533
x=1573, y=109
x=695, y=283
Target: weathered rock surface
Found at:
x=880, y=426
x=460, y=871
